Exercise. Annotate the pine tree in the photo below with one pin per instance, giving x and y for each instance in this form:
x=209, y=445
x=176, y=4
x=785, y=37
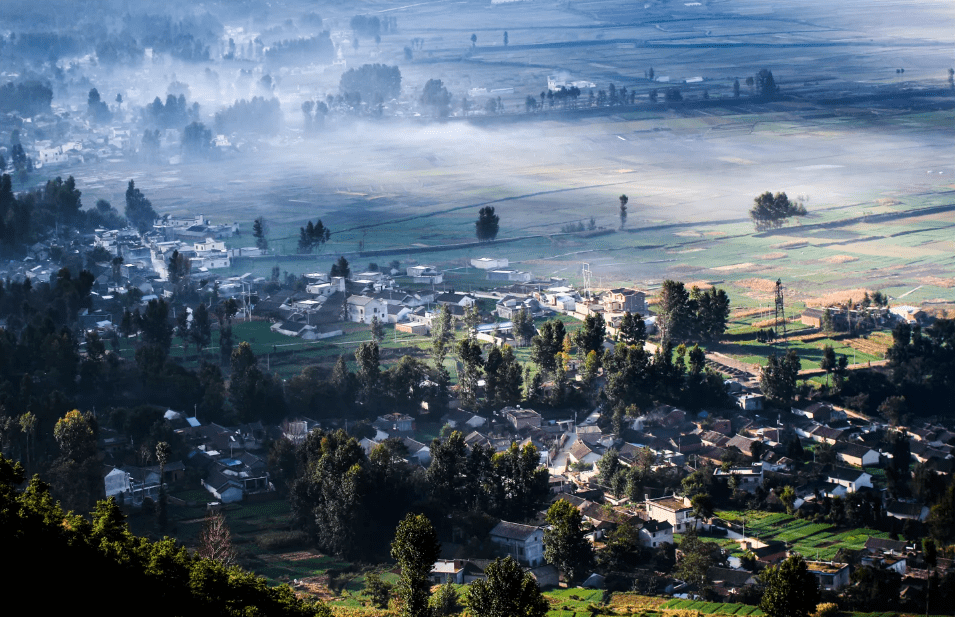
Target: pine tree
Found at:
x=258, y=232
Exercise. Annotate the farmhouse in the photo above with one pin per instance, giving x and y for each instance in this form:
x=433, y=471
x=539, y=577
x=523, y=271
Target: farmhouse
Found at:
x=525, y=543
x=856, y=455
x=654, y=533
x=830, y=576
x=674, y=510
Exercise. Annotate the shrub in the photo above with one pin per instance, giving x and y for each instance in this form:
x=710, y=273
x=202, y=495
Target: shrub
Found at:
x=826, y=609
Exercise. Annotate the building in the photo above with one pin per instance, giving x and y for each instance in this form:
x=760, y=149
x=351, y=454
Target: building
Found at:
x=856, y=455
x=525, y=543
x=830, y=576
x=674, y=510
x=748, y=478
x=851, y=479
x=625, y=300
x=362, y=309
x=521, y=418
x=654, y=533
x=486, y=263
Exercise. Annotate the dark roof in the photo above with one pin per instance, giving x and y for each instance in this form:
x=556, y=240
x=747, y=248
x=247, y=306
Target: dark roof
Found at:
x=881, y=544
x=514, y=531
x=903, y=508
x=845, y=474
x=653, y=525
x=733, y=578
x=852, y=449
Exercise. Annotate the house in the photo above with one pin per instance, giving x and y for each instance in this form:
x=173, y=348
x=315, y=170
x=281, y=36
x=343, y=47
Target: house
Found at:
x=428, y=275
x=584, y=454
x=546, y=576
x=748, y=478
x=362, y=309
x=824, y=434
x=625, y=300
x=417, y=452
x=224, y=488
x=730, y=580
x=654, y=533
x=395, y=423
x=487, y=263
x=521, y=418
x=906, y=511
x=455, y=299
x=750, y=402
x=672, y=509
x=830, y=576
x=460, y=571
x=851, y=479
x=463, y=420
x=856, y=455
x=525, y=543
x=743, y=444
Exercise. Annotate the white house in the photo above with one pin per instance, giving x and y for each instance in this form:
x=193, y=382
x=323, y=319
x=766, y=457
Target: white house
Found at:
x=851, y=479
x=362, y=309
x=674, y=510
x=655, y=533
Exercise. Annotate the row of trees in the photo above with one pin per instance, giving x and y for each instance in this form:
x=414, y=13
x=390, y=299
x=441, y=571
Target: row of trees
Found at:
x=691, y=315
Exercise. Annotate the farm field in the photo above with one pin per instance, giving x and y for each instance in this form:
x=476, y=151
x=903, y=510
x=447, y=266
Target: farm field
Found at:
x=819, y=541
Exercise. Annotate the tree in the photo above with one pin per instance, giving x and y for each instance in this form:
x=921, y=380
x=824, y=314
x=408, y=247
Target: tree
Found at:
x=340, y=268
x=623, y=210
x=546, y=345
x=695, y=561
x=789, y=589
x=487, y=224
x=377, y=330
x=591, y=336
x=505, y=44
x=633, y=330
x=736, y=89
x=162, y=513
x=506, y=591
x=75, y=472
x=446, y=601
x=469, y=351
x=258, y=232
x=369, y=369
x=524, y=328
x=676, y=312
x=139, y=210
x=777, y=380
x=377, y=589
x=765, y=84
x=828, y=362
x=442, y=335
x=415, y=548
x=215, y=540
x=771, y=211
x=473, y=40
x=565, y=546
x=712, y=310
x=436, y=97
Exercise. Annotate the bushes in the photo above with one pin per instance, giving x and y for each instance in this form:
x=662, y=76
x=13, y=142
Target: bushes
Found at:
x=826, y=609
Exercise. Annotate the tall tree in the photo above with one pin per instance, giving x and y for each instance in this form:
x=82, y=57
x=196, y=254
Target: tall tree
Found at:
x=341, y=268
x=487, y=224
x=369, y=369
x=377, y=330
x=623, y=209
x=789, y=589
x=258, y=232
x=442, y=335
x=506, y=591
x=75, y=473
x=415, y=548
x=633, y=330
x=139, y=210
x=778, y=378
x=591, y=336
x=564, y=543
x=163, y=451
x=546, y=345
x=676, y=312
x=469, y=351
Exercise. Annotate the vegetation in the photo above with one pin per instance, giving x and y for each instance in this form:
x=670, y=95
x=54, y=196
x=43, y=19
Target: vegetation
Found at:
x=771, y=211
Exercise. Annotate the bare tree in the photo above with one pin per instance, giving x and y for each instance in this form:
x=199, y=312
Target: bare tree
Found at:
x=215, y=540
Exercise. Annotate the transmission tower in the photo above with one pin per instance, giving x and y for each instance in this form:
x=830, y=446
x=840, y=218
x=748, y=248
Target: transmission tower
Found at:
x=588, y=278
x=780, y=308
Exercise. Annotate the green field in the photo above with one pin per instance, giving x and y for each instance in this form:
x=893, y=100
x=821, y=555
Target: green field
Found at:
x=813, y=540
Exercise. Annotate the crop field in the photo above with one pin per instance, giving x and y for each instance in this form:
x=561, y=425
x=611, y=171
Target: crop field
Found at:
x=812, y=540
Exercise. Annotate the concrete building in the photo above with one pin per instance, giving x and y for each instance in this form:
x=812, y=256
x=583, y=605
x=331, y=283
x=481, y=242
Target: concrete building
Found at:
x=674, y=510
x=525, y=543
x=830, y=576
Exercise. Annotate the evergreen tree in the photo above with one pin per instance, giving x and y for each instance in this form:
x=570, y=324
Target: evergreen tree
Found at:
x=258, y=232
x=487, y=224
x=415, y=548
x=139, y=210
